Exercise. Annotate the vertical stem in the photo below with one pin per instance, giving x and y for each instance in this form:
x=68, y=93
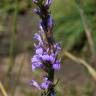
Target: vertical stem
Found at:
x=5, y=12
x=12, y=49
x=13, y=39
x=51, y=78
x=51, y=75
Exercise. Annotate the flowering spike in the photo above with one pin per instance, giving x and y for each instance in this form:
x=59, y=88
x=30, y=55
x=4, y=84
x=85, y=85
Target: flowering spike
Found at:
x=48, y=3
x=46, y=50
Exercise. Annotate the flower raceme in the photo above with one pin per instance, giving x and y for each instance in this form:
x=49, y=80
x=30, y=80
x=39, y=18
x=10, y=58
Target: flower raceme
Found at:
x=42, y=56
x=42, y=59
x=46, y=50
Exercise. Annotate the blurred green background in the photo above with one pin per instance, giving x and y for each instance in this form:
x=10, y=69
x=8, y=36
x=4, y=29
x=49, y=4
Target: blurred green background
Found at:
x=75, y=28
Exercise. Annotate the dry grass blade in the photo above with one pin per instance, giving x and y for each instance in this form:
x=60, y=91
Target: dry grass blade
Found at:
x=3, y=90
x=91, y=70
x=87, y=31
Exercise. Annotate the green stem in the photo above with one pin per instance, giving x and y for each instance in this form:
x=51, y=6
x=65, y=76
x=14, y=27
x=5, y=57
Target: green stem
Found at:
x=51, y=78
x=12, y=49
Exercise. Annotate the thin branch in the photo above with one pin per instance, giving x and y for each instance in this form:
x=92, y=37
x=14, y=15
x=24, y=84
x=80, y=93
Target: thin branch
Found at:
x=3, y=90
x=91, y=70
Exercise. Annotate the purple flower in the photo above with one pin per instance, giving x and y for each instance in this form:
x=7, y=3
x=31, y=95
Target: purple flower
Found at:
x=39, y=51
x=36, y=63
x=35, y=84
x=52, y=58
x=49, y=58
x=50, y=21
x=33, y=67
x=37, y=11
x=57, y=48
x=48, y=3
x=35, y=59
x=38, y=38
x=45, y=57
x=45, y=84
x=43, y=24
x=56, y=65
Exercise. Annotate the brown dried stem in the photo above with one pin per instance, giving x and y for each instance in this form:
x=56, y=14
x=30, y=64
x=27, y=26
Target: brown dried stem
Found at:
x=78, y=60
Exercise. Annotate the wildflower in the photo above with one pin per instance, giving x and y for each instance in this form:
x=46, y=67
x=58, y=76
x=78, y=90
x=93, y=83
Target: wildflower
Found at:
x=46, y=50
x=36, y=63
x=37, y=11
x=45, y=84
x=47, y=57
x=56, y=65
x=39, y=51
x=35, y=84
x=50, y=21
x=38, y=38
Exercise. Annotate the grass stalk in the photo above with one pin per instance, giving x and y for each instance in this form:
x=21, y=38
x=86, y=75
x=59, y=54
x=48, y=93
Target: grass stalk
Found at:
x=12, y=50
x=87, y=32
x=90, y=69
x=3, y=90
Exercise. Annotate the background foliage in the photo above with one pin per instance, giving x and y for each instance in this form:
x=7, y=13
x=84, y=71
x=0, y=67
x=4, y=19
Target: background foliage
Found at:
x=17, y=26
